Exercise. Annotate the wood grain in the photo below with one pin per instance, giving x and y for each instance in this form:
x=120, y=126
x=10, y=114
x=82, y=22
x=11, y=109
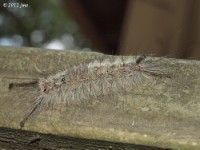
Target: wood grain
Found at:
x=164, y=112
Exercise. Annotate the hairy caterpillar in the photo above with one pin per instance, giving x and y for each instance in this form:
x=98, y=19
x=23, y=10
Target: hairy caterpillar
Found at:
x=91, y=80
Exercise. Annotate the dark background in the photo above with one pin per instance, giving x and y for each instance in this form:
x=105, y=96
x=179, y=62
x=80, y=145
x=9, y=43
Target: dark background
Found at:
x=122, y=27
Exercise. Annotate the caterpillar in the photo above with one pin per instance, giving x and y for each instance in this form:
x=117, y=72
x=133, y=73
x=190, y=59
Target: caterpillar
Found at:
x=93, y=79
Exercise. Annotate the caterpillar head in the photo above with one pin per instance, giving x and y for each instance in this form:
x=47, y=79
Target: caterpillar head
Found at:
x=53, y=82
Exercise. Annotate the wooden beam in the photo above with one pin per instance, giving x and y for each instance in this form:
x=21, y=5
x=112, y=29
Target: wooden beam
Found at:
x=163, y=112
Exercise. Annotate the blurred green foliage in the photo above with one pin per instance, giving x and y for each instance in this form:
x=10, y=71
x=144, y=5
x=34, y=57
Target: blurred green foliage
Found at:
x=39, y=23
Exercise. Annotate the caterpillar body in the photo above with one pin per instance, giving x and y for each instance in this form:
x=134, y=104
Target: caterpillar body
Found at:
x=94, y=79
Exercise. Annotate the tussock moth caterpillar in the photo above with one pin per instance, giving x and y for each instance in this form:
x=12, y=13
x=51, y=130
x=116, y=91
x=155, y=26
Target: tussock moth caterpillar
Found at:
x=94, y=79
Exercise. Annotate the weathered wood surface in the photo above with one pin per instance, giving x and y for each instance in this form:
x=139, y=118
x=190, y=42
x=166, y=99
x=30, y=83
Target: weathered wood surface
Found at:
x=164, y=112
